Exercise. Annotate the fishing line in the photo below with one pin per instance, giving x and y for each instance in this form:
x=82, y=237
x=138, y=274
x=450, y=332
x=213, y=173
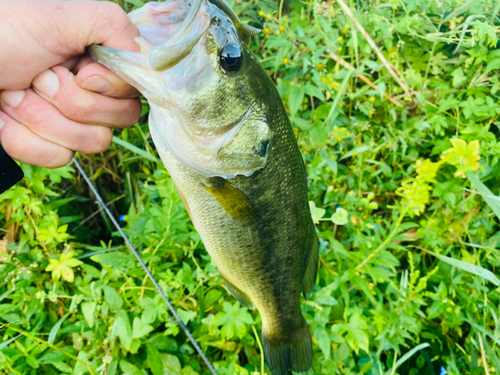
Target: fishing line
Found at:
x=146, y=269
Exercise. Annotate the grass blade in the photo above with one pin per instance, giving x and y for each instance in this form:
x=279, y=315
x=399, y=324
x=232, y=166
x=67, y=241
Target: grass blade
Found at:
x=4, y=344
x=483, y=330
x=488, y=196
x=462, y=8
x=330, y=118
x=408, y=355
x=134, y=149
x=55, y=329
x=468, y=267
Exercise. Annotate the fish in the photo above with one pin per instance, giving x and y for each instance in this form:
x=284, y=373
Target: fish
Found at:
x=222, y=132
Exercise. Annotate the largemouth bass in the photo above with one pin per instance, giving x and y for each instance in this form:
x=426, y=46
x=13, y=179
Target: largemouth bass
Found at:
x=222, y=132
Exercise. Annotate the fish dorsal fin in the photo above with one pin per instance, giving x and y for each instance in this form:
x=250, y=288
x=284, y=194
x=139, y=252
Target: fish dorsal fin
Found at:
x=231, y=199
x=246, y=31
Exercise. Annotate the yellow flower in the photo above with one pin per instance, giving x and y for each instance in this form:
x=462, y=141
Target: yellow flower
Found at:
x=355, y=153
x=261, y=13
x=265, y=31
x=340, y=49
x=345, y=31
x=339, y=139
x=371, y=112
x=324, y=80
x=341, y=105
x=372, y=99
x=332, y=156
x=282, y=28
x=285, y=61
x=339, y=39
x=277, y=33
x=286, y=20
x=320, y=67
x=331, y=11
x=364, y=217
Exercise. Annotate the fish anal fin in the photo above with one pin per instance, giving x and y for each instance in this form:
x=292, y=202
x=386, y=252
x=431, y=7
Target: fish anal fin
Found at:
x=309, y=279
x=238, y=294
x=231, y=199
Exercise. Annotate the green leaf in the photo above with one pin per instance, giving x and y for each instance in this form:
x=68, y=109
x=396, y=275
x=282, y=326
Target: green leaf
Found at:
x=5, y=343
x=212, y=296
x=116, y=260
x=55, y=329
x=112, y=298
x=408, y=354
x=122, y=329
x=462, y=8
x=295, y=98
x=186, y=316
x=154, y=360
x=88, y=310
x=140, y=329
x=317, y=213
x=323, y=340
x=129, y=369
x=171, y=364
x=340, y=217
x=32, y=362
x=471, y=268
x=458, y=77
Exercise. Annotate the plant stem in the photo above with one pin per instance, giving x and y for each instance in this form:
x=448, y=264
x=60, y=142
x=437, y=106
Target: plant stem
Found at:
x=261, y=351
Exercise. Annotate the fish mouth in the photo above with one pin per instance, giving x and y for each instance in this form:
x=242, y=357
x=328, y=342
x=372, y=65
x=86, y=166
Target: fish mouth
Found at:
x=170, y=30
x=168, y=33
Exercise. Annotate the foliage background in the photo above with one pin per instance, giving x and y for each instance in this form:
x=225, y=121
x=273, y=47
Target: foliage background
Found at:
x=409, y=248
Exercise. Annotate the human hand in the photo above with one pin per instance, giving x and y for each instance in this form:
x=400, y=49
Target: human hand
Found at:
x=54, y=100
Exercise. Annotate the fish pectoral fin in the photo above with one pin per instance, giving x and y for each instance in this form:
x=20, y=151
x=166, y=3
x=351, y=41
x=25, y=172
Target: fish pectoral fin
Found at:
x=309, y=279
x=238, y=294
x=232, y=199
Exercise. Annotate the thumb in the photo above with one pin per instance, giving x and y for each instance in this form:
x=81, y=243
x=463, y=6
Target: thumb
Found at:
x=112, y=27
x=95, y=22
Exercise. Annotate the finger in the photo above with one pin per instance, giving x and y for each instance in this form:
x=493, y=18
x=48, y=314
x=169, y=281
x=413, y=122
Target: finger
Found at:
x=90, y=77
x=43, y=119
x=58, y=86
x=22, y=144
x=83, y=61
x=109, y=25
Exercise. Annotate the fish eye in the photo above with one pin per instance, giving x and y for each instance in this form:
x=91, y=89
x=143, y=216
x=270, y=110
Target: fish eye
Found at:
x=230, y=57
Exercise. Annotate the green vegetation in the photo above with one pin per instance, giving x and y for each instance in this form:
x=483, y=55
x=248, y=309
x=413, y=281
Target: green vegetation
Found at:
x=403, y=168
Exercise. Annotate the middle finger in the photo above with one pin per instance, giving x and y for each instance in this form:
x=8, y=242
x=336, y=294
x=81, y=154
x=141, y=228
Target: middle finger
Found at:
x=59, y=86
x=45, y=120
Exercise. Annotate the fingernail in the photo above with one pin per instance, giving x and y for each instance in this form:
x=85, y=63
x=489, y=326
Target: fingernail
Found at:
x=12, y=98
x=2, y=123
x=97, y=84
x=47, y=83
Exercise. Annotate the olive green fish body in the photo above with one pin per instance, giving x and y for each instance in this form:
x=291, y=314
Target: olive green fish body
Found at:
x=221, y=130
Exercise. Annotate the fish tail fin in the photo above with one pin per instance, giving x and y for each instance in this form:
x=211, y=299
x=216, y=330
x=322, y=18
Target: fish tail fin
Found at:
x=309, y=279
x=293, y=353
